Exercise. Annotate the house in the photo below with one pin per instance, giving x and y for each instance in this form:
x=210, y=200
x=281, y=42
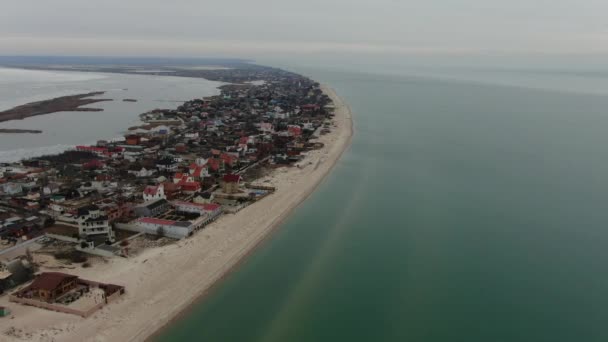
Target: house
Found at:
x=152, y=208
x=154, y=192
x=205, y=197
x=200, y=161
x=180, y=177
x=51, y=188
x=133, y=139
x=142, y=173
x=229, y=159
x=201, y=209
x=93, y=164
x=308, y=126
x=12, y=188
x=55, y=290
x=167, y=164
x=190, y=187
x=170, y=228
x=266, y=127
x=310, y=108
x=94, y=223
x=216, y=165
x=230, y=183
x=49, y=286
x=294, y=130
x=171, y=189
x=199, y=171
x=186, y=182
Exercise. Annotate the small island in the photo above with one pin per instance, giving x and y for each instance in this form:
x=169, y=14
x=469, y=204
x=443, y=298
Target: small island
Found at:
x=70, y=103
x=17, y=130
x=129, y=100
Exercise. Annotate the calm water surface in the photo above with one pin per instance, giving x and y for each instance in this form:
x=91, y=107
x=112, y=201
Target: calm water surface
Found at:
x=64, y=129
x=462, y=212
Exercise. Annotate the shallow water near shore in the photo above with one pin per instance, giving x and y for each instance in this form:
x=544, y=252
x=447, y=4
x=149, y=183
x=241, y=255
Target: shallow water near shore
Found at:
x=461, y=212
x=62, y=130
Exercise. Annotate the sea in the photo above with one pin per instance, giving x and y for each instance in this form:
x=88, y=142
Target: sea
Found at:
x=63, y=130
x=471, y=206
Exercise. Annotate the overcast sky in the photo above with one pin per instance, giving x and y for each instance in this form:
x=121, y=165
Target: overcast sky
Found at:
x=262, y=27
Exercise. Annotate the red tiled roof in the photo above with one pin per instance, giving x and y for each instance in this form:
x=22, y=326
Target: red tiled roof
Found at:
x=211, y=206
x=214, y=164
x=230, y=178
x=50, y=280
x=204, y=206
x=190, y=185
x=170, y=187
x=197, y=171
x=227, y=158
x=151, y=190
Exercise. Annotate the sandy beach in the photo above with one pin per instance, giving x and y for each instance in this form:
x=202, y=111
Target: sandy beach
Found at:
x=162, y=282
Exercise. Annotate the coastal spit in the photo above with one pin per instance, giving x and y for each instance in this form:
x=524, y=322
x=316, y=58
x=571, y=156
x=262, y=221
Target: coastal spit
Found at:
x=155, y=200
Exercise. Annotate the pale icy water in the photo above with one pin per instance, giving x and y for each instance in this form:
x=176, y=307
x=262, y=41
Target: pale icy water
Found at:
x=65, y=129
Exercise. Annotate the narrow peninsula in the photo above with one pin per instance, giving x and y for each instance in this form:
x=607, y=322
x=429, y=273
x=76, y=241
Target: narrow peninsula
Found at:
x=112, y=231
x=70, y=103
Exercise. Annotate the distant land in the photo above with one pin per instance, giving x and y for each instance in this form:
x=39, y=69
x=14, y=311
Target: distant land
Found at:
x=213, y=69
x=70, y=103
x=18, y=130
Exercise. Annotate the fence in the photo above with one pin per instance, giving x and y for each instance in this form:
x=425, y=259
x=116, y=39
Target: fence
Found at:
x=21, y=245
x=59, y=308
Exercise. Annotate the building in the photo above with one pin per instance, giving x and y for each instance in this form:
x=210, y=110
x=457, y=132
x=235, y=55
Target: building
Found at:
x=294, y=130
x=167, y=164
x=94, y=223
x=152, y=208
x=204, y=197
x=56, y=291
x=49, y=286
x=142, y=173
x=199, y=171
x=154, y=192
x=230, y=183
x=12, y=188
x=170, y=228
x=133, y=139
x=196, y=208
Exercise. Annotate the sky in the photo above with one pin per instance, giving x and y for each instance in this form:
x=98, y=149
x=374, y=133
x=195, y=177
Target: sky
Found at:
x=252, y=28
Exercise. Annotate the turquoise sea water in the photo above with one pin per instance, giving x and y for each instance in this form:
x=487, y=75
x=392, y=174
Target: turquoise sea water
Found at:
x=461, y=212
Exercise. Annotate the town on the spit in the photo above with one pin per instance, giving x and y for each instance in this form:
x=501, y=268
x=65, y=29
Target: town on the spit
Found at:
x=169, y=177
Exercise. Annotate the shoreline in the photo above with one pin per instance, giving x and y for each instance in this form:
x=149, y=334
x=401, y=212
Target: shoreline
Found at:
x=196, y=265
x=69, y=103
x=198, y=300
x=19, y=131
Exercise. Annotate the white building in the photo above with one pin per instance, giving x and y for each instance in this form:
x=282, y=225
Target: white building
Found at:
x=170, y=228
x=152, y=192
x=143, y=173
x=93, y=222
x=198, y=208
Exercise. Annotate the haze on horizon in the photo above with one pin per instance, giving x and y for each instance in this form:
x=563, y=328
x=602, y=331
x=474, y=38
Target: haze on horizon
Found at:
x=245, y=28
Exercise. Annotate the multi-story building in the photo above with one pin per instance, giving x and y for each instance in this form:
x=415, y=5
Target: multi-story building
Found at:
x=94, y=223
